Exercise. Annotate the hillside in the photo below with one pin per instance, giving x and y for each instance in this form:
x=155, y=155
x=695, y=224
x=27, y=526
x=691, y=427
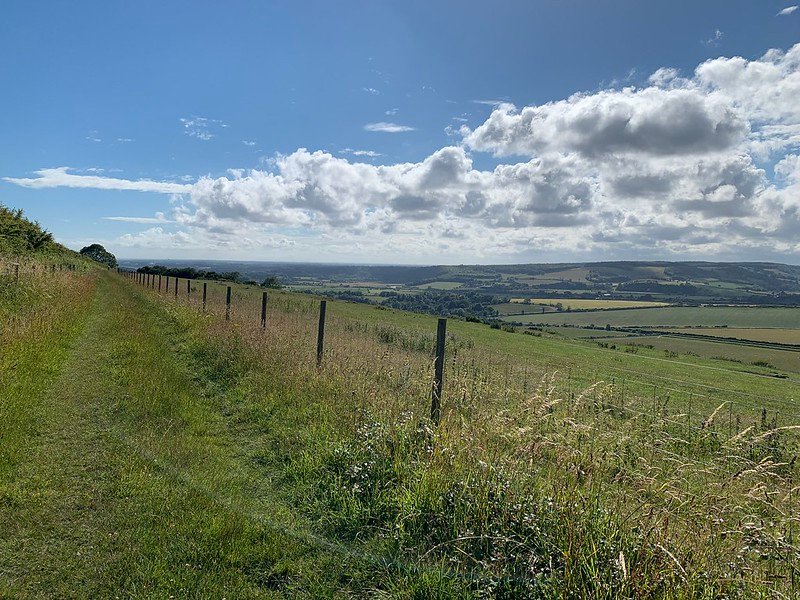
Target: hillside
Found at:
x=692, y=282
x=157, y=445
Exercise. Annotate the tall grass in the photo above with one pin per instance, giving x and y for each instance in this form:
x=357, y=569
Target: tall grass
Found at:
x=533, y=485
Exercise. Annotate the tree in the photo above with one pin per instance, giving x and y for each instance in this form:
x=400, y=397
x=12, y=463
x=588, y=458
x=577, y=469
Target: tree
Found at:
x=271, y=282
x=99, y=254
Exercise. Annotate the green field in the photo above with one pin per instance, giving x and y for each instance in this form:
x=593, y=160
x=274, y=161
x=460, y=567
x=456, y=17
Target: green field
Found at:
x=588, y=304
x=675, y=316
x=516, y=308
x=780, y=336
x=440, y=285
x=786, y=360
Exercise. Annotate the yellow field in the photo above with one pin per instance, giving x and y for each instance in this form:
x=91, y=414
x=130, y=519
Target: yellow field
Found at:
x=572, y=303
x=764, y=334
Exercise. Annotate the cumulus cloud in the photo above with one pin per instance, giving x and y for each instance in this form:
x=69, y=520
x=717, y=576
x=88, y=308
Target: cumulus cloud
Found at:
x=700, y=164
x=387, y=127
x=651, y=121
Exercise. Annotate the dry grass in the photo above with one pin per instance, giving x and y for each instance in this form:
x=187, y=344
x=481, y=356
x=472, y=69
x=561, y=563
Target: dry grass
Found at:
x=570, y=491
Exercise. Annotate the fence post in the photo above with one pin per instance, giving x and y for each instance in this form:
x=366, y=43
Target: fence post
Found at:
x=176, y=287
x=321, y=331
x=205, y=293
x=188, y=287
x=16, y=272
x=167, y=288
x=159, y=283
x=263, y=310
x=436, y=392
x=228, y=304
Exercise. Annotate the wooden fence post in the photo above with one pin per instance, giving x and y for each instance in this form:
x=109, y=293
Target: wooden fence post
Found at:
x=438, y=368
x=321, y=331
x=188, y=287
x=16, y=272
x=176, y=287
x=205, y=293
x=167, y=288
x=159, y=283
x=263, y=310
x=228, y=304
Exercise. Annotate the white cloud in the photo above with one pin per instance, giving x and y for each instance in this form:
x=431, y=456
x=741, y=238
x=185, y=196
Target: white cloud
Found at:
x=371, y=91
x=368, y=153
x=201, y=127
x=123, y=140
x=249, y=143
x=58, y=177
x=159, y=218
x=673, y=168
x=787, y=11
x=392, y=111
x=387, y=127
x=714, y=39
x=653, y=121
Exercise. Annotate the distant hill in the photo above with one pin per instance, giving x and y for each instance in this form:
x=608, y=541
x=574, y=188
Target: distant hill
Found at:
x=714, y=282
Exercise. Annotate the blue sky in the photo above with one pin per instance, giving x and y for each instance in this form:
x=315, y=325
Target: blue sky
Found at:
x=212, y=102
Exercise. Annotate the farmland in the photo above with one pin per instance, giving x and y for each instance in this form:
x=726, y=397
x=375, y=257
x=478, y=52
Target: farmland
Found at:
x=773, y=334
x=594, y=304
x=786, y=360
x=675, y=316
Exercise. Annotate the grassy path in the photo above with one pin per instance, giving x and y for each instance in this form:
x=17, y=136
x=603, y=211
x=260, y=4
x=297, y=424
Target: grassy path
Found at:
x=135, y=484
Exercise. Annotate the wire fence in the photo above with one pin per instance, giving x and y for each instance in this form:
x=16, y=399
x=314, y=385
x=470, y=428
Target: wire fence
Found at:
x=456, y=368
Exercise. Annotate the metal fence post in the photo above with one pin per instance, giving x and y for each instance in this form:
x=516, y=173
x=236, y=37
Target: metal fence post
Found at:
x=321, y=331
x=436, y=392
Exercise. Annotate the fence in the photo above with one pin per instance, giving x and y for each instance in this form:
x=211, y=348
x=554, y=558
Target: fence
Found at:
x=647, y=393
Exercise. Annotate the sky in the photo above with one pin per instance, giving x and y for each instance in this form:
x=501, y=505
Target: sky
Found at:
x=411, y=132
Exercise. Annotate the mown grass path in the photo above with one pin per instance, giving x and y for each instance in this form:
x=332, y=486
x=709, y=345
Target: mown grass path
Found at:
x=133, y=483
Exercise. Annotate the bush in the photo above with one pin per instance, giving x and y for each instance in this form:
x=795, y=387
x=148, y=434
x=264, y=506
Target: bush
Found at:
x=99, y=254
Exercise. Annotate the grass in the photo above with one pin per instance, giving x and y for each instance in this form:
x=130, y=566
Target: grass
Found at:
x=440, y=285
x=174, y=453
x=580, y=304
x=593, y=469
x=772, y=334
x=785, y=360
x=675, y=316
x=517, y=307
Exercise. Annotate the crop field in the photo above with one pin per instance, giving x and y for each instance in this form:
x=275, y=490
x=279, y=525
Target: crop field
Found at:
x=766, y=334
x=675, y=316
x=585, y=333
x=440, y=285
x=517, y=308
x=786, y=360
x=581, y=304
